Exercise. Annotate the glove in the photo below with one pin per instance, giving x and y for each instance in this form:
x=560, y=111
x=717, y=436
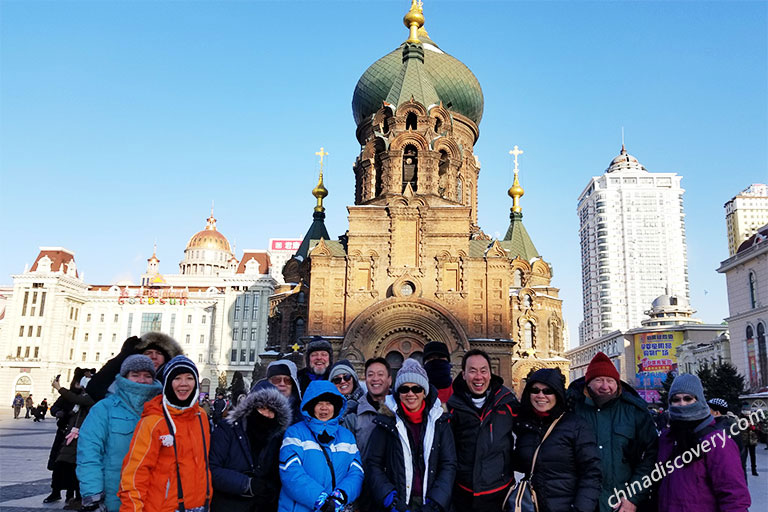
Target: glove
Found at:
x=320, y=501
x=129, y=345
x=393, y=504
x=431, y=506
x=336, y=501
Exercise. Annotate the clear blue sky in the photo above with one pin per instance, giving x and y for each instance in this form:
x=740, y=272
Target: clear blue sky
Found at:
x=122, y=121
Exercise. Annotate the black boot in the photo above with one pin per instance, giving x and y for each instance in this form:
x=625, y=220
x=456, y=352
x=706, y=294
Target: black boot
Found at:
x=754, y=472
x=54, y=496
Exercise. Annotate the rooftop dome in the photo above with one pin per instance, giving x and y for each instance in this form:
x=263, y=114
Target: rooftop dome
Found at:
x=209, y=238
x=625, y=162
x=456, y=86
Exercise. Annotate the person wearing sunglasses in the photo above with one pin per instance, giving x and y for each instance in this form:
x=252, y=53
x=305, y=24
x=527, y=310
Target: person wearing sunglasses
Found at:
x=567, y=472
x=411, y=459
x=282, y=375
x=344, y=377
x=698, y=480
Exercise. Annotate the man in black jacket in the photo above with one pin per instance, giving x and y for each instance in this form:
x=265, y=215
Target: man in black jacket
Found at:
x=319, y=358
x=482, y=413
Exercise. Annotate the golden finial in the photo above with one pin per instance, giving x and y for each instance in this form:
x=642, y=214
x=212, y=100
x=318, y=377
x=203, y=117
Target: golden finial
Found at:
x=320, y=191
x=211, y=225
x=516, y=191
x=414, y=20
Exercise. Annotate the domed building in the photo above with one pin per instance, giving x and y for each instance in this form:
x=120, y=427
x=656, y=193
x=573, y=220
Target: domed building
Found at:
x=208, y=253
x=414, y=265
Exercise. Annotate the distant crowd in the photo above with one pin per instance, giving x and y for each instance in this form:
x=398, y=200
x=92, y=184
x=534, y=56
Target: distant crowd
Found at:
x=136, y=436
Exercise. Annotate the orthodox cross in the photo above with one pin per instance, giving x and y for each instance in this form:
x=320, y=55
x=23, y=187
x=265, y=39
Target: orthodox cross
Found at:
x=321, y=154
x=516, y=152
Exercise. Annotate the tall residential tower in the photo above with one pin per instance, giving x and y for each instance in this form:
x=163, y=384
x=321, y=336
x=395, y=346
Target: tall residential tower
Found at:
x=632, y=233
x=745, y=214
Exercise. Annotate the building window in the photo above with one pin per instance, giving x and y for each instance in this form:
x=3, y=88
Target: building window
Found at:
x=24, y=304
x=29, y=331
x=202, y=339
x=252, y=355
x=244, y=334
x=130, y=323
x=101, y=318
x=42, y=303
x=74, y=333
x=39, y=330
x=517, y=278
x=199, y=358
x=21, y=331
x=203, y=319
x=83, y=356
x=26, y=352
x=37, y=352
x=188, y=338
x=117, y=317
x=253, y=334
x=233, y=357
x=86, y=336
x=88, y=317
x=114, y=337
x=242, y=356
x=762, y=354
x=189, y=319
x=528, y=335
x=237, y=312
x=97, y=356
x=246, y=312
x=18, y=351
x=100, y=337
x=71, y=354
x=752, y=289
x=77, y=313
x=173, y=325
x=151, y=322
x=234, y=334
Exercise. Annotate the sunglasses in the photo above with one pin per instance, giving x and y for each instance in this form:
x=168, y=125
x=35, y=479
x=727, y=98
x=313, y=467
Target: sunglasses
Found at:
x=546, y=391
x=682, y=398
x=345, y=377
x=280, y=380
x=407, y=389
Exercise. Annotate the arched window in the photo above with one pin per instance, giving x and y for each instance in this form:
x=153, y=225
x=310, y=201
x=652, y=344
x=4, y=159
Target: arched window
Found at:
x=762, y=354
x=410, y=167
x=442, y=174
x=750, y=332
x=410, y=121
x=460, y=190
x=752, y=289
x=298, y=328
x=517, y=278
x=378, y=168
x=527, y=301
x=528, y=335
x=301, y=297
x=438, y=125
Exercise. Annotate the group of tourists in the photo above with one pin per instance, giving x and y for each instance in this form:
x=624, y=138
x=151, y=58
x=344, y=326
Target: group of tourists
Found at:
x=36, y=412
x=326, y=439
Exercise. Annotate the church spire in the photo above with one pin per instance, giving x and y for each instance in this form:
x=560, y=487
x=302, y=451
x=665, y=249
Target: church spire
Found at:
x=519, y=241
x=516, y=191
x=317, y=229
x=414, y=20
x=320, y=192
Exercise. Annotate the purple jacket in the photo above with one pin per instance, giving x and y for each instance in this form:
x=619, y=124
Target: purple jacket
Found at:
x=714, y=483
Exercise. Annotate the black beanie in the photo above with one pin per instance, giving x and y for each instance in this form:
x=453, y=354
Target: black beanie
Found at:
x=179, y=365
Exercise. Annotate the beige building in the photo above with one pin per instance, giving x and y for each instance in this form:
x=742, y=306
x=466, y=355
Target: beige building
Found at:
x=745, y=214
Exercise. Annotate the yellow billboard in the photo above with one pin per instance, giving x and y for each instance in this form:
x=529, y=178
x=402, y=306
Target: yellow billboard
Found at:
x=655, y=356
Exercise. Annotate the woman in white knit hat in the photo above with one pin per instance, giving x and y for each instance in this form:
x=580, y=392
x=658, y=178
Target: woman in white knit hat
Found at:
x=411, y=459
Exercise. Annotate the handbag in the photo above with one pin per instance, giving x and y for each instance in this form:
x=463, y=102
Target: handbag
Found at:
x=521, y=497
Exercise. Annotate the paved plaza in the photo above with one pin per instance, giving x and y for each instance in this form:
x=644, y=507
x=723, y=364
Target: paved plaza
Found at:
x=24, y=480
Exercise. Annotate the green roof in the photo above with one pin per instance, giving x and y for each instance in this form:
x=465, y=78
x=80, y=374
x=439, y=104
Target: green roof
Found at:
x=453, y=82
x=316, y=231
x=413, y=81
x=517, y=241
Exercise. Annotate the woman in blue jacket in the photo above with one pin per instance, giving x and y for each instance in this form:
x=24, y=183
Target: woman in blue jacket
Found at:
x=107, y=431
x=244, y=452
x=320, y=465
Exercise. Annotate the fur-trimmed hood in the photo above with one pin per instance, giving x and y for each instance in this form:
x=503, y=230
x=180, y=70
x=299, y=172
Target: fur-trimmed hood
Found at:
x=170, y=345
x=263, y=394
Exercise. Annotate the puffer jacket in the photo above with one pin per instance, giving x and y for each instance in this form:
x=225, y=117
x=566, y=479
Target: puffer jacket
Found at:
x=567, y=473
x=713, y=483
x=304, y=470
x=243, y=479
x=82, y=404
x=626, y=437
x=361, y=423
x=148, y=481
x=389, y=460
x=484, y=442
x=105, y=438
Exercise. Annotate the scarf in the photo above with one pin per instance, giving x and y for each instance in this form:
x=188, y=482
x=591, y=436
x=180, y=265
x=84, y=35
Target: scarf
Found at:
x=415, y=417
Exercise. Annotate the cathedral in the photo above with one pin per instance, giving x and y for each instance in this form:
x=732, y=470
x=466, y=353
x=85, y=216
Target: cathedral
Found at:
x=414, y=265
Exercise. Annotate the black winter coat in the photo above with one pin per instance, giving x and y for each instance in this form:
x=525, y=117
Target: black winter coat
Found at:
x=385, y=460
x=567, y=476
x=233, y=461
x=484, y=439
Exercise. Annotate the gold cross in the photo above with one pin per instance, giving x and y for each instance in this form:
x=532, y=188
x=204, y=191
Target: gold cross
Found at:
x=296, y=346
x=516, y=152
x=321, y=154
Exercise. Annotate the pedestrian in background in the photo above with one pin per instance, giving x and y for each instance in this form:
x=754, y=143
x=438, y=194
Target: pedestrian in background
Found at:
x=437, y=363
x=245, y=452
x=107, y=431
x=411, y=459
x=282, y=374
x=482, y=414
x=749, y=440
x=625, y=431
x=566, y=476
x=17, y=404
x=712, y=481
x=29, y=404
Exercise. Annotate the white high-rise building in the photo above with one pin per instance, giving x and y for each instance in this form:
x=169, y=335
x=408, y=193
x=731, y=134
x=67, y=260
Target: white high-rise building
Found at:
x=745, y=214
x=633, y=249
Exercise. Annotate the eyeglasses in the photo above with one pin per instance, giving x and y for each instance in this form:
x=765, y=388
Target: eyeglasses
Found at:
x=546, y=391
x=682, y=398
x=277, y=379
x=408, y=389
x=344, y=377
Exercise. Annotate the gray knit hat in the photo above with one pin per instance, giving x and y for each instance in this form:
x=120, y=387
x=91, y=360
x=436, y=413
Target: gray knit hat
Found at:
x=690, y=384
x=137, y=363
x=342, y=367
x=412, y=371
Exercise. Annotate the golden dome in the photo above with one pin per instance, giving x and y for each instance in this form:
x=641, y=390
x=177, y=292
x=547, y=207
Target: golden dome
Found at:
x=209, y=238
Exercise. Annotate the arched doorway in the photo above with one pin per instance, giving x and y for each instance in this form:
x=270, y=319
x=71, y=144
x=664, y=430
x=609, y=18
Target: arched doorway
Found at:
x=23, y=385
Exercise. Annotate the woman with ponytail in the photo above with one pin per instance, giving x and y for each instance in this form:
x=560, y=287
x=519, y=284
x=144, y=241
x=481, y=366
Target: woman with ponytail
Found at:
x=167, y=467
